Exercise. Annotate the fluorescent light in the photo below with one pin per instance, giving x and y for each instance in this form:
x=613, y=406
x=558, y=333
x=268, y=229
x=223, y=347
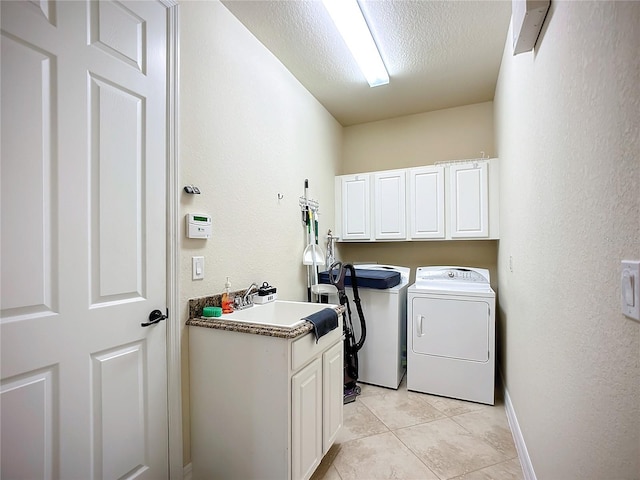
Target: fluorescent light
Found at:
x=347, y=16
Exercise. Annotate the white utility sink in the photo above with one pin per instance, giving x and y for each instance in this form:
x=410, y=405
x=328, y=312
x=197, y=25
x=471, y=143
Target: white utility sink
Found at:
x=279, y=313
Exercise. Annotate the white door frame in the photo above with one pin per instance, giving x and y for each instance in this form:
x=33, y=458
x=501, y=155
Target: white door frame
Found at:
x=174, y=368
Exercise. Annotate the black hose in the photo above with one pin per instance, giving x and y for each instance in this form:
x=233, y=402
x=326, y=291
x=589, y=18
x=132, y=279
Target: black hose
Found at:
x=351, y=347
x=356, y=300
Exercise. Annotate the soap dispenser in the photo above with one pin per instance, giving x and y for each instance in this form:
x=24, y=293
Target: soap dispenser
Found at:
x=227, y=301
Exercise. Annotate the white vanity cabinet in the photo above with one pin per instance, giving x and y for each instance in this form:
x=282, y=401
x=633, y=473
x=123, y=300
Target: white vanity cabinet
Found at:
x=332, y=394
x=317, y=392
x=263, y=407
x=306, y=417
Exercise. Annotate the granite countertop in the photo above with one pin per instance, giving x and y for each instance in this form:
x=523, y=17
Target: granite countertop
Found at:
x=255, y=328
x=196, y=320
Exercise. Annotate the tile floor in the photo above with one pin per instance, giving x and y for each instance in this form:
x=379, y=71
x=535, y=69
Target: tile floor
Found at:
x=389, y=434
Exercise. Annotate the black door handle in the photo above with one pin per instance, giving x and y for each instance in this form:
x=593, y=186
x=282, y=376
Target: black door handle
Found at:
x=154, y=317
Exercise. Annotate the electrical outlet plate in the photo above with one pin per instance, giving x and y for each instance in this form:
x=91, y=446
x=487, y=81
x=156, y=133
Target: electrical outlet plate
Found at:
x=630, y=288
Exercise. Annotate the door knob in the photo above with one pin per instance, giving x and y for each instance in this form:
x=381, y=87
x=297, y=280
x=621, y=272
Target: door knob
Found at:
x=154, y=317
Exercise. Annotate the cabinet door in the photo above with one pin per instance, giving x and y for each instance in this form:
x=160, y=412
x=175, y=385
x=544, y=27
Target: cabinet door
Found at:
x=332, y=392
x=469, y=200
x=389, y=205
x=426, y=202
x=306, y=421
x=356, y=207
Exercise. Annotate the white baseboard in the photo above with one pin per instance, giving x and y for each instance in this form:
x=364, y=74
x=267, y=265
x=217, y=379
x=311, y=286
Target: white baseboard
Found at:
x=186, y=475
x=523, y=454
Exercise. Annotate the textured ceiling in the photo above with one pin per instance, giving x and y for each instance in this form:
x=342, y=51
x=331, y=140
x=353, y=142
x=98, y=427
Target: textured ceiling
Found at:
x=439, y=54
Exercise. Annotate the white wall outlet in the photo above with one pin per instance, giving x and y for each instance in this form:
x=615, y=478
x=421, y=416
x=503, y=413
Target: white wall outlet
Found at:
x=197, y=268
x=630, y=288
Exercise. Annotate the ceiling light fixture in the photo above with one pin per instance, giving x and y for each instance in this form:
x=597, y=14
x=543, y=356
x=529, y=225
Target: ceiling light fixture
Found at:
x=347, y=16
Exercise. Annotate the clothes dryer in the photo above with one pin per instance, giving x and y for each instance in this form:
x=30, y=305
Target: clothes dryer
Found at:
x=451, y=333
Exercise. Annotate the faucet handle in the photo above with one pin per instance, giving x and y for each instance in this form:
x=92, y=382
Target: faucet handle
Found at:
x=245, y=300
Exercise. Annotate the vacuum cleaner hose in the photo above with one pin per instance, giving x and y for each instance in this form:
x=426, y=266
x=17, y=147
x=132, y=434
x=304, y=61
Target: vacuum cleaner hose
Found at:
x=356, y=300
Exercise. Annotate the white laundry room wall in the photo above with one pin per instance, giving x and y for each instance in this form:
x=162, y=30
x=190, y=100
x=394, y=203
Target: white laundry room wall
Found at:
x=248, y=132
x=567, y=122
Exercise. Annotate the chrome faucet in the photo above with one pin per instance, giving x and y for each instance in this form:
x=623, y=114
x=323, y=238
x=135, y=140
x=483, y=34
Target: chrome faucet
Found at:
x=246, y=301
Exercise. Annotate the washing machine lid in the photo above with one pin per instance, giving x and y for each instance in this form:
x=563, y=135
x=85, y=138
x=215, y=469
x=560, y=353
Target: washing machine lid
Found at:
x=453, y=279
x=404, y=271
x=375, y=276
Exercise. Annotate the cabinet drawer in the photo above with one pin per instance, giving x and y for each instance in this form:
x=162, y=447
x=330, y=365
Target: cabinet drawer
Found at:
x=305, y=348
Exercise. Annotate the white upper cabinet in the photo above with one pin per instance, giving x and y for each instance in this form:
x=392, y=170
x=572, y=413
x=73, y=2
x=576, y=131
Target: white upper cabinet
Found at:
x=455, y=201
x=426, y=202
x=389, y=205
x=469, y=200
x=356, y=207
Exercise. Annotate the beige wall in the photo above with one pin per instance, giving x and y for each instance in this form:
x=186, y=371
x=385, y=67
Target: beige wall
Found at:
x=567, y=123
x=248, y=132
x=422, y=139
x=475, y=253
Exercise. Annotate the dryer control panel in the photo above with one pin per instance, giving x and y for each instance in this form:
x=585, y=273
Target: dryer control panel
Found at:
x=425, y=275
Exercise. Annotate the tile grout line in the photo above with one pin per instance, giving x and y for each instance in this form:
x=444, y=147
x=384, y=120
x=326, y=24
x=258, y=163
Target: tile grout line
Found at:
x=479, y=469
x=446, y=478
x=445, y=415
x=452, y=418
x=414, y=453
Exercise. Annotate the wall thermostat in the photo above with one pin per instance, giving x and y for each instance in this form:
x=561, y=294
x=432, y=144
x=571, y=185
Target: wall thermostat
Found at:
x=198, y=225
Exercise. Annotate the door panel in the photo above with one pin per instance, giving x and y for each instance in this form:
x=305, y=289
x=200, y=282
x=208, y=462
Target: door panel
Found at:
x=28, y=156
x=356, y=205
x=117, y=416
x=390, y=205
x=118, y=31
x=451, y=328
x=306, y=434
x=469, y=200
x=426, y=207
x=29, y=418
x=83, y=239
x=117, y=191
x=332, y=391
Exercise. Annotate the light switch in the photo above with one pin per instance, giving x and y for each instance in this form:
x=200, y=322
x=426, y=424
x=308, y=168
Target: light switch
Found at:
x=630, y=288
x=197, y=268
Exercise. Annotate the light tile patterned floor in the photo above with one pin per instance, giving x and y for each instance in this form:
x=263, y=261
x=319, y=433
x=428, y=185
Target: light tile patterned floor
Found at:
x=389, y=434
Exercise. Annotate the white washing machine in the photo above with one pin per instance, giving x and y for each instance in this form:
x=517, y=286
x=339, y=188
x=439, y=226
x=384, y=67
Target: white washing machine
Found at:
x=382, y=359
x=451, y=333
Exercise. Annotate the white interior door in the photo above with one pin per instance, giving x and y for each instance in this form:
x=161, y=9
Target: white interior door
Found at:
x=83, y=389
